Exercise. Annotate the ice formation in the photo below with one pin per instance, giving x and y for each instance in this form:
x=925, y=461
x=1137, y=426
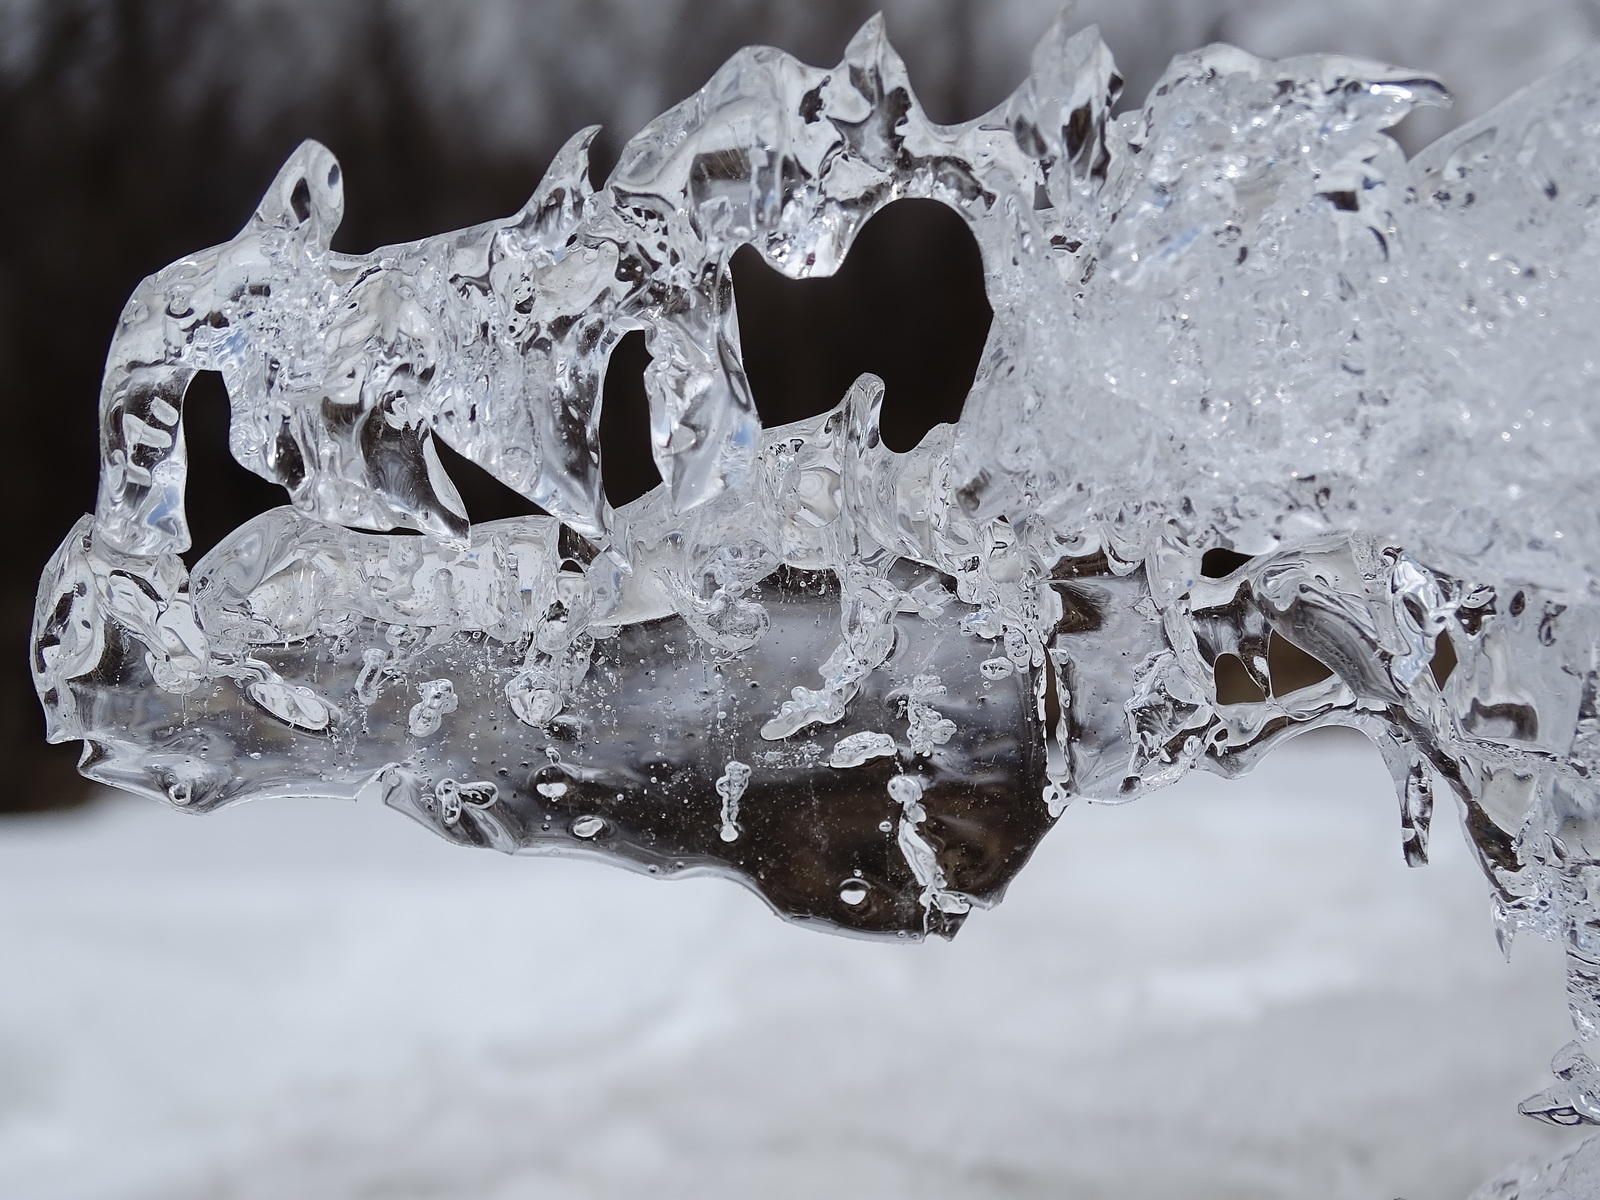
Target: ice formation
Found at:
x=1256, y=387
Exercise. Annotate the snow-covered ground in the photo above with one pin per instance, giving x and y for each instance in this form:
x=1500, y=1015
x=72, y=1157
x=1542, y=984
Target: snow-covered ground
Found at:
x=1226, y=990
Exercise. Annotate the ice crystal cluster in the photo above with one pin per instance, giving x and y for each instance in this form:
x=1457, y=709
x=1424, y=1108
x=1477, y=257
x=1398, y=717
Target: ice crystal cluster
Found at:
x=1258, y=391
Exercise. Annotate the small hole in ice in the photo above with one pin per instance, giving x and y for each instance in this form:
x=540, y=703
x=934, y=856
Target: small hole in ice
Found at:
x=233, y=493
x=1218, y=562
x=485, y=497
x=1291, y=668
x=1234, y=685
x=1444, y=659
x=300, y=201
x=853, y=892
x=627, y=469
x=907, y=304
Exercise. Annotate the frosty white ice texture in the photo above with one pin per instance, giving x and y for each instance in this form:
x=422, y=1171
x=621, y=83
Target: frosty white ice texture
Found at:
x=1235, y=326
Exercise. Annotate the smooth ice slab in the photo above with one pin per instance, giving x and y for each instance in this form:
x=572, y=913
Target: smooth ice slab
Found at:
x=1273, y=430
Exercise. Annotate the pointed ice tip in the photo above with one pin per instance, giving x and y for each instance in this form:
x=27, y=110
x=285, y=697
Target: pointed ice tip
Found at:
x=862, y=405
x=1505, y=930
x=570, y=166
x=1420, y=90
x=869, y=42
x=1052, y=44
x=309, y=185
x=1063, y=54
x=1060, y=30
x=865, y=394
x=1553, y=1107
x=1338, y=71
x=1570, y=1056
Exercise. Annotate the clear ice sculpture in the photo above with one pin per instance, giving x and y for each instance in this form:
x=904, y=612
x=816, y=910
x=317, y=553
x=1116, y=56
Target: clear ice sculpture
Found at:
x=1233, y=326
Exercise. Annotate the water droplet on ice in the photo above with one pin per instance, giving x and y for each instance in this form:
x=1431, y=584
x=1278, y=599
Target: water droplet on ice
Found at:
x=853, y=892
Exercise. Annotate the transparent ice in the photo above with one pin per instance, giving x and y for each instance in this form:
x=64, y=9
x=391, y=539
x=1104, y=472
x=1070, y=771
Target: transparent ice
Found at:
x=1256, y=387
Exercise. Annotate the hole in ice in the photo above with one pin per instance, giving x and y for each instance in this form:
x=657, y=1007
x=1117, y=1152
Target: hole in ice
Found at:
x=627, y=470
x=300, y=201
x=907, y=304
x=1291, y=668
x=1444, y=659
x=1234, y=685
x=223, y=494
x=1052, y=702
x=1218, y=563
x=485, y=497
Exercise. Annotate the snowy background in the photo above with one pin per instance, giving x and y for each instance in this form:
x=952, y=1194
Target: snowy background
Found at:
x=1227, y=990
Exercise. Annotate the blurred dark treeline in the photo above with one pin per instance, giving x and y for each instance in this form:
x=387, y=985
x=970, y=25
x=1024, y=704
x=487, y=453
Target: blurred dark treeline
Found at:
x=135, y=131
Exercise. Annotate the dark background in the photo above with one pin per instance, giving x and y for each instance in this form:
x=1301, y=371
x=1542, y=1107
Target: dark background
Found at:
x=135, y=131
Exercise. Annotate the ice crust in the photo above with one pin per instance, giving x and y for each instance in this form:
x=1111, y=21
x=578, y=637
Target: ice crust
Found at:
x=1572, y=1175
x=865, y=683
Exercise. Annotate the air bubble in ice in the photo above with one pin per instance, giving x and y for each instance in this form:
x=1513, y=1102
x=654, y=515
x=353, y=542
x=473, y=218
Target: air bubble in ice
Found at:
x=438, y=698
x=452, y=798
x=857, y=748
x=730, y=786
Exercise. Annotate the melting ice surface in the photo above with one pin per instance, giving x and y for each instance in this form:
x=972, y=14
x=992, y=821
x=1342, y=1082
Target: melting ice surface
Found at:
x=865, y=683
